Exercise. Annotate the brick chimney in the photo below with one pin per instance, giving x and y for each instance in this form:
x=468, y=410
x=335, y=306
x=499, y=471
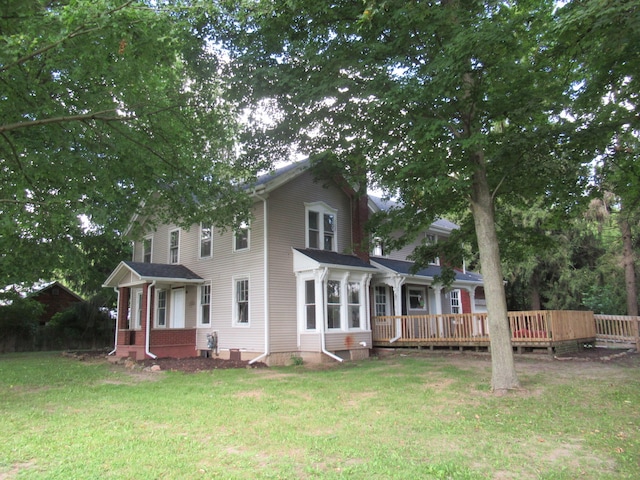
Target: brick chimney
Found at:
x=359, y=217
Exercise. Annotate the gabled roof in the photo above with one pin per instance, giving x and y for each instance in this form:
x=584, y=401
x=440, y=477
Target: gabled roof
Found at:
x=276, y=178
x=52, y=285
x=404, y=268
x=328, y=258
x=379, y=204
x=149, y=272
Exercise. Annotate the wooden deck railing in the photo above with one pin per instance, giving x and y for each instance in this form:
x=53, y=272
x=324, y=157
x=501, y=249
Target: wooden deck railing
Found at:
x=617, y=329
x=539, y=327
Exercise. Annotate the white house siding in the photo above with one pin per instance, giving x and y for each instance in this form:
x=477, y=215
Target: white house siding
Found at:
x=287, y=230
x=408, y=249
x=310, y=342
x=337, y=341
x=225, y=266
x=220, y=270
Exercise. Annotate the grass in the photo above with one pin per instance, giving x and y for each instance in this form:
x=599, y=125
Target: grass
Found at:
x=402, y=417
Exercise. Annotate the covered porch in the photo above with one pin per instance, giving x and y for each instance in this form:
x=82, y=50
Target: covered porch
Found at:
x=555, y=330
x=152, y=318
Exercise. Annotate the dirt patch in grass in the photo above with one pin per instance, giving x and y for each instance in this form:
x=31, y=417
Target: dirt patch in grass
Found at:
x=198, y=364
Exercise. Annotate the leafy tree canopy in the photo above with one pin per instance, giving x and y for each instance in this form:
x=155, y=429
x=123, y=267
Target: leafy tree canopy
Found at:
x=108, y=108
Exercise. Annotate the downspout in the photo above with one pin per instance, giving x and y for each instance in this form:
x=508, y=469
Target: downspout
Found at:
x=266, y=282
x=115, y=340
x=323, y=343
x=146, y=337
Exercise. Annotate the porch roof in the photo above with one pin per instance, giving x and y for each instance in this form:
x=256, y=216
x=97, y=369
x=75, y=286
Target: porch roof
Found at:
x=404, y=268
x=328, y=258
x=149, y=272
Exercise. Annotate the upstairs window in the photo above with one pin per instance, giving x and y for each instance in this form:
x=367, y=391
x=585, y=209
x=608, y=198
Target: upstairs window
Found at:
x=174, y=245
x=431, y=239
x=206, y=241
x=377, y=249
x=147, y=243
x=241, y=237
x=321, y=227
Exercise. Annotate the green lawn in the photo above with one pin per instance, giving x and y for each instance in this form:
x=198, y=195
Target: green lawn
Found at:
x=413, y=416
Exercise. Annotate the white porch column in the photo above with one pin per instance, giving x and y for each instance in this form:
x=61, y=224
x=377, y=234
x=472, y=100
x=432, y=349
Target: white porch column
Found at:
x=397, y=303
x=438, y=297
x=397, y=295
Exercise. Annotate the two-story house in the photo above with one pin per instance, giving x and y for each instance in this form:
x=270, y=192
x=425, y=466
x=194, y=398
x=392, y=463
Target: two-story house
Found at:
x=287, y=284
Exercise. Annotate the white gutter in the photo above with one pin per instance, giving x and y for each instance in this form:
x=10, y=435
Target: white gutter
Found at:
x=146, y=337
x=323, y=342
x=115, y=340
x=266, y=282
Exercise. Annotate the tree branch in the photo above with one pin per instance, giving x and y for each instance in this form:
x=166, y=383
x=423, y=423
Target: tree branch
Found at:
x=81, y=30
x=101, y=116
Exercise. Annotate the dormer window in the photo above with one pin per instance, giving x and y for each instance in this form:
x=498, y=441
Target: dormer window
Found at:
x=431, y=239
x=321, y=226
x=377, y=249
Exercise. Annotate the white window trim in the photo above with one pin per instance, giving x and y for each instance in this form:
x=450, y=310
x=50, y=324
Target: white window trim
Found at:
x=200, y=287
x=210, y=242
x=425, y=293
x=321, y=208
x=301, y=279
x=387, y=306
x=150, y=238
x=345, y=278
x=234, y=301
x=341, y=305
x=432, y=239
x=247, y=248
x=139, y=312
x=455, y=296
x=169, y=250
x=157, y=307
x=349, y=305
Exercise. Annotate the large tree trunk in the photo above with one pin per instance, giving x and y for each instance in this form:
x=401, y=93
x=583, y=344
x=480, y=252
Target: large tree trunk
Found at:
x=503, y=372
x=628, y=261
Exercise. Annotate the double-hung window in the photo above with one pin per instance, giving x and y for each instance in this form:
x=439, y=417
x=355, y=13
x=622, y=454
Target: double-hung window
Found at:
x=380, y=300
x=241, y=237
x=241, y=307
x=139, y=311
x=353, y=299
x=206, y=241
x=321, y=227
x=333, y=304
x=431, y=239
x=147, y=244
x=205, y=305
x=454, y=295
x=161, y=313
x=174, y=246
x=310, y=304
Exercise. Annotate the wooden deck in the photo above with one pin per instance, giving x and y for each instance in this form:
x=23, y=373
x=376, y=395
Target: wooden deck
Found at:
x=617, y=331
x=550, y=329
